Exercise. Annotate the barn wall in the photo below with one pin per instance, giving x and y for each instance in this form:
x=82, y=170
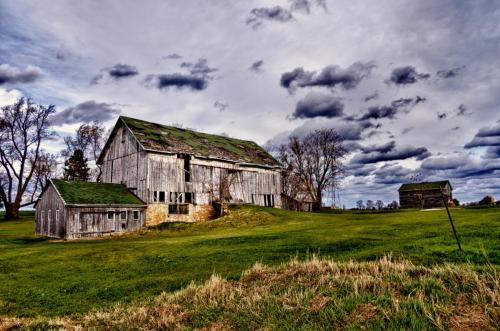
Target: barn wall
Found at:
x=124, y=163
x=93, y=222
x=431, y=198
x=50, y=214
x=166, y=173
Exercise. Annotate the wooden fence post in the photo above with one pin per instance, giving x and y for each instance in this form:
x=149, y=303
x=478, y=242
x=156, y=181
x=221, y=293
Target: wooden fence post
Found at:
x=451, y=221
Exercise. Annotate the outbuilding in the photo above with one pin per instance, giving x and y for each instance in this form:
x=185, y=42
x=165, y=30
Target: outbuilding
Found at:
x=425, y=194
x=77, y=209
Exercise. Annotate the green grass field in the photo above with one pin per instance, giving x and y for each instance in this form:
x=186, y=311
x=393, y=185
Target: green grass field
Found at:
x=40, y=277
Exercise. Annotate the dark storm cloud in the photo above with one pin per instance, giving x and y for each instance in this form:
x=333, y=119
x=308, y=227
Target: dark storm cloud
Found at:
x=372, y=96
x=392, y=174
x=394, y=154
x=173, y=56
x=14, y=75
x=385, y=148
x=178, y=81
x=450, y=73
x=487, y=136
x=85, y=112
x=492, y=152
x=462, y=111
x=330, y=77
x=406, y=130
x=444, y=163
x=199, y=68
x=378, y=112
x=220, y=106
x=257, y=66
x=406, y=75
x=441, y=116
x=390, y=112
x=319, y=105
x=305, y=6
x=277, y=14
x=359, y=170
x=119, y=71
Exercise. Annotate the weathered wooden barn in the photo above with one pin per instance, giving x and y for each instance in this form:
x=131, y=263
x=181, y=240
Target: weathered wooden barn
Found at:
x=185, y=175
x=425, y=194
x=76, y=209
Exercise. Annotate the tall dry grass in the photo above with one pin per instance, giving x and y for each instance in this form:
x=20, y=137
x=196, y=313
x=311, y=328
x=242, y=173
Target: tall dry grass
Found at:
x=313, y=294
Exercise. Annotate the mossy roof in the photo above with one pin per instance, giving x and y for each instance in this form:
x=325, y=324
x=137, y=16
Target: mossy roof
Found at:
x=80, y=192
x=424, y=186
x=169, y=139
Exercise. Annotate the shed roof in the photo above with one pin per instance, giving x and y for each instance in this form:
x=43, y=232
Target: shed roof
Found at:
x=91, y=193
x=169, y=139
x=424, y=186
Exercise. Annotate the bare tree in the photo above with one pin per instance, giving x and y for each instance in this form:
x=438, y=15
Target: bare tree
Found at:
x=90, y=139
x=379, y=204
x=360, y=204
x=316, y=161
x=23, y=127
x=45, y=168
x=370, y=204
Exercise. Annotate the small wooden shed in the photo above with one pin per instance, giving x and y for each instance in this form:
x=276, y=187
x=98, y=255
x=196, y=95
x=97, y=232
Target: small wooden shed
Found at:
x=425, y=194
x=77, y=209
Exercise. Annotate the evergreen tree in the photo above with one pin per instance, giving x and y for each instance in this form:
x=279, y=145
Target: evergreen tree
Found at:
x=76, y=168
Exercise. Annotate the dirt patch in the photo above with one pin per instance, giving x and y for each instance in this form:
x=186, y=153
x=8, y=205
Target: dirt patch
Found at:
x=216, y=327
x=365, y=312
x=319, y=302
x=469, y=317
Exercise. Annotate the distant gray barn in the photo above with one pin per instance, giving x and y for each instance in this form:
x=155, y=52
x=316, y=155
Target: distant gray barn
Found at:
x=184, y=175
x=425, y=194
x=77, y=209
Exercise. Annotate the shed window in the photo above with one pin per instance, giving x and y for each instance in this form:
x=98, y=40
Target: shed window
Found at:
x=42, y=215
x=49, y=215
x=111, y=215
x=57, y=215
x=123, y=215
x=137, y=215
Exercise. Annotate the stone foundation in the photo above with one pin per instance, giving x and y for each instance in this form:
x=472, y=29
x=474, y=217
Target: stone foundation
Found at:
x=156, y=213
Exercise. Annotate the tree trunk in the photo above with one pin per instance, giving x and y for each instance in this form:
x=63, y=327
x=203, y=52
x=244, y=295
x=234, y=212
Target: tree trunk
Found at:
x=11, y=212
x=319, y=200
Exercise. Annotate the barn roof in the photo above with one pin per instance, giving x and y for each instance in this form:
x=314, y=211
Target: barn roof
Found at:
x=169, y=139
x=91, y=193
x=424, y=186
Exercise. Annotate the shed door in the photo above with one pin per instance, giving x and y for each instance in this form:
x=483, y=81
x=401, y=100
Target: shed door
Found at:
x=109, y=221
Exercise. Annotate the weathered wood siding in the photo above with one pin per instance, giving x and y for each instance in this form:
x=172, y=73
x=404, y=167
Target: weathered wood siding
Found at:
x=93, y=221
x=50, y=216
x=124, y=163
x=246, y=184
x=431, y=198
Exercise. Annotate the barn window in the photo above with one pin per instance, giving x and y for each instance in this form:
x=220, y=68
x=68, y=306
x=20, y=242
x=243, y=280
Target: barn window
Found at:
x=187, y=167
x=123, y=136
x=155, y=196
x=175, y=197
x=188, y=197
x=253, y=199
x=123, y=215
x=161, y=196
x=178, y=209
x=111, y=215
x=137, y=215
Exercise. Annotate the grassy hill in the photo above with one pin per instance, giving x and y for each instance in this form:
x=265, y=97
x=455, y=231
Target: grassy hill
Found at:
x=40, y=277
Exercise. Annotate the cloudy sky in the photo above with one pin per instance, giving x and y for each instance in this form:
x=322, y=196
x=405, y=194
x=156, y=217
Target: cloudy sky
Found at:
x=413, y=87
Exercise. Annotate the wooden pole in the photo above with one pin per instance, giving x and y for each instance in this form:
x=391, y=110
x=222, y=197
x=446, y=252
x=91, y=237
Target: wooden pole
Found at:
x=451, y=221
